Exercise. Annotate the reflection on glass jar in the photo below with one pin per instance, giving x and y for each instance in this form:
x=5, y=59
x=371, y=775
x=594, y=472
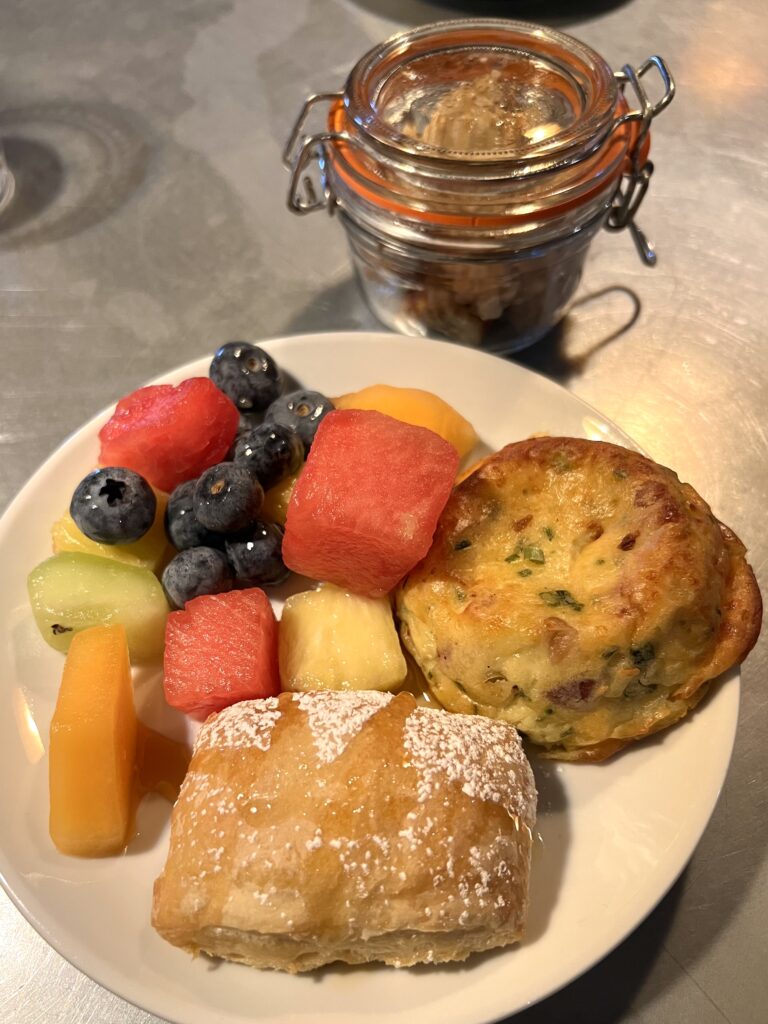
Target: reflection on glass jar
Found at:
x=471, y=163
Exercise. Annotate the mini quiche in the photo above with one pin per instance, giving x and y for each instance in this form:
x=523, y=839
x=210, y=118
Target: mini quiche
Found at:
x=581, y=592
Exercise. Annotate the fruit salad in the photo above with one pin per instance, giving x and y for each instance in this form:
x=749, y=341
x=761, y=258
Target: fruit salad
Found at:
x=208, y=494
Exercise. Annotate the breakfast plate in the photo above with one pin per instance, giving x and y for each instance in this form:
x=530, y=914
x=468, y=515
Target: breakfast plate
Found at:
x=611, y=838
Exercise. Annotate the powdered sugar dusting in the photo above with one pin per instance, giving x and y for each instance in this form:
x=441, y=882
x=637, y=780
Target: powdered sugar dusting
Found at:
x=331, y=731
x=483, y=756
x=247, y=724
x=418, y=849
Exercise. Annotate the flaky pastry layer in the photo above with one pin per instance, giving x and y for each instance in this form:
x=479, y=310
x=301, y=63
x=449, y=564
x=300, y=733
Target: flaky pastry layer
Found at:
x=348, y=826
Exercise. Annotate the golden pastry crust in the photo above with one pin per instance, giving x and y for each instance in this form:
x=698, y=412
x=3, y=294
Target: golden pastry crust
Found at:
x=581, y=592
x=329, y=826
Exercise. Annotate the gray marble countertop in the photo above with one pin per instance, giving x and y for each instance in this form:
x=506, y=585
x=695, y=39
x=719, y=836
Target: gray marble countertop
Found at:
x=149, y=224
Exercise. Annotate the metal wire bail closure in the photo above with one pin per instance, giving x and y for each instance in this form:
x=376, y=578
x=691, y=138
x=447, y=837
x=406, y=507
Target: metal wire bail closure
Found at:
x=634, y=183
x=302, y=150
x=306, y=152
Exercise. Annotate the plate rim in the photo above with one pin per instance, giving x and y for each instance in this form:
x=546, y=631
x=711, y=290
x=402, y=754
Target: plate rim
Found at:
x=730, y=679
x=366, y=337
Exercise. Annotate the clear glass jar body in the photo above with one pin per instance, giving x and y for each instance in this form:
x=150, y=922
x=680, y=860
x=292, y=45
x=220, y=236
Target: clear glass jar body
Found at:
x=471, y=164
x=500, y=298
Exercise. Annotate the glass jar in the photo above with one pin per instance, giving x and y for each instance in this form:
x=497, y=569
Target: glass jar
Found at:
x=471, y=163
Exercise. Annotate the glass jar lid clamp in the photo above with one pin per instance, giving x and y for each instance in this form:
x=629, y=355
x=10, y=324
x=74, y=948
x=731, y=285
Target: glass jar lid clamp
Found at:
x=634, y=184
x=537, y=105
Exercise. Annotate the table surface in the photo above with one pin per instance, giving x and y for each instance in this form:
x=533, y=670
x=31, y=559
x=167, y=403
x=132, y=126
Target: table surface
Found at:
x=149, y=224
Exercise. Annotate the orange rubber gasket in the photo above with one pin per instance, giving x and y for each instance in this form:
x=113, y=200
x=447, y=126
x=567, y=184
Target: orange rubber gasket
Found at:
x=623, y=138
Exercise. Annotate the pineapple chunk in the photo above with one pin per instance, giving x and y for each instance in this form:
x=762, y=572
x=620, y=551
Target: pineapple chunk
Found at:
x=276, y=499
x=152, y=551
x=93, y=746
x=333, y=640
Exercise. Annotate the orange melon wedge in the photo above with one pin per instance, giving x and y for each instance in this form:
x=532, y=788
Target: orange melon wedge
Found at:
x=420, y=408
x=93, y=746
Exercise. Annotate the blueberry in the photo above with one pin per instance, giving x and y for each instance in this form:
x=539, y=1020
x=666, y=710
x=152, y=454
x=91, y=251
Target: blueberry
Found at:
x=194, y=572
x=272, y=451
x=181, y=524
x=248, y=421
x=300, y=410
x=246, y=375
x=227, y=497
x=256, y=555
x=113, y=505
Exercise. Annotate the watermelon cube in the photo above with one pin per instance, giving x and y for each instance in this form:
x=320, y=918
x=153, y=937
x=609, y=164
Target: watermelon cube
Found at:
x=222, y=648
x=366, y=505
x=170, y=434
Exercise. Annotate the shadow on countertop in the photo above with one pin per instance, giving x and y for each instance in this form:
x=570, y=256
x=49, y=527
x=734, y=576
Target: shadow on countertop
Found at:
x=603, y=994
x=555, y=356
x=562, y=354
x=549, y=12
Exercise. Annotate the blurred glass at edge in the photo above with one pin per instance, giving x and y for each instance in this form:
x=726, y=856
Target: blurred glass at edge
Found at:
x=6, y=181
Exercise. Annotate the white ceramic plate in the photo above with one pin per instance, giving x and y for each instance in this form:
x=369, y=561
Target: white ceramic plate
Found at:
x=613, y=838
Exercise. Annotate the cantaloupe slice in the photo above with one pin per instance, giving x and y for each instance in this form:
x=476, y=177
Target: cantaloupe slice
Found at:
x=93, y=746
x=152, y=551
x=415, y=406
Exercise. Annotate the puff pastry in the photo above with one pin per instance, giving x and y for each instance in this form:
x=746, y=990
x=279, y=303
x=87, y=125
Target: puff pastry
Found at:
x=329, y=826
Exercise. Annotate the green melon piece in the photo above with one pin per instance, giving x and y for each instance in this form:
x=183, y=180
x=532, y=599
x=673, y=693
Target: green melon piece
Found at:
x=73, y=591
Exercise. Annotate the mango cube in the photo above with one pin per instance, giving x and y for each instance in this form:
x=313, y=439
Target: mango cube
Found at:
x=418, y=407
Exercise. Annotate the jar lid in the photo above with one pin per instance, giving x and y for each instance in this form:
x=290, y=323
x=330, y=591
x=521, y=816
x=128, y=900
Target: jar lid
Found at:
x=484, y=205
x=486, y=91
x=487, y=125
